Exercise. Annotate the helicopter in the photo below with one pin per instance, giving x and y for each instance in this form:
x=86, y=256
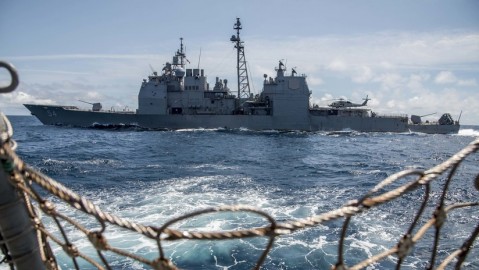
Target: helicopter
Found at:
x=341, y=103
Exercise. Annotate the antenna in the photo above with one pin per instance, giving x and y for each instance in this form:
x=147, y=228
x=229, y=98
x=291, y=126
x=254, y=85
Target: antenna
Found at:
x=199, y=59
x=152, y=70
x=181, y=53
x=242, y=72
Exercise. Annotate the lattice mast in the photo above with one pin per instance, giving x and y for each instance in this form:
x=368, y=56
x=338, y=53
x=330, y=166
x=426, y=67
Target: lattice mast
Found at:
x=181, y=55
x=243, y=82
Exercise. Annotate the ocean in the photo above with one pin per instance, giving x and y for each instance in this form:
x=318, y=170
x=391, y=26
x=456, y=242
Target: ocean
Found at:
x=151, y=177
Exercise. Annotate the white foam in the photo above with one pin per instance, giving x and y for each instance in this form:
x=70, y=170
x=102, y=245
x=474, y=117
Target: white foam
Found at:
x=153, y=203
x=97, y=161
x=468, y=132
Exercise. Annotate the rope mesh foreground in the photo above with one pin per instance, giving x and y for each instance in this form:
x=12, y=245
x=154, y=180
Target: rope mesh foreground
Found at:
x=34, y=187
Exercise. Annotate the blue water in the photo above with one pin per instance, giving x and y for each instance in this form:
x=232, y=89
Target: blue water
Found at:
x=153, y=176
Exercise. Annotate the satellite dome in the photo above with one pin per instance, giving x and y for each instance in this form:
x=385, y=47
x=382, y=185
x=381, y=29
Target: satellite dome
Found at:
x=179, y=72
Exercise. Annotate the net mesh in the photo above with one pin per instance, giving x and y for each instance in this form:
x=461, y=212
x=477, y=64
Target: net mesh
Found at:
x=42, y=195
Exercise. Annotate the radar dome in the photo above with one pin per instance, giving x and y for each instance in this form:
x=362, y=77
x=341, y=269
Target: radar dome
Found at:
x=179, y=72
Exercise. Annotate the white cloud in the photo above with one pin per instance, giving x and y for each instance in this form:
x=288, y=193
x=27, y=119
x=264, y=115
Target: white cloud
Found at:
x=20, y=97
x=386, y=65
x=448, y=77
x=445, y=77
x=471, y=82
x=391, y=104
x=327, y=97
x=93, y=95
x=363, y=74
x=414, y=99
x=416, y=82
x=337, y=65
x=314, y=81
x=389, y=80
x=386, y=50
x=324, y=100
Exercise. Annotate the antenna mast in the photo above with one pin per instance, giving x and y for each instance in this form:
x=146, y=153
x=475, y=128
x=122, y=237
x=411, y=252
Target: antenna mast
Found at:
x=243, y=82
x=181, y=54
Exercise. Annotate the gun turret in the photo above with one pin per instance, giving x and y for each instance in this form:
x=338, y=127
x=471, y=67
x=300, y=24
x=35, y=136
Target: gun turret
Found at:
x=96, y=107
x=416, y=119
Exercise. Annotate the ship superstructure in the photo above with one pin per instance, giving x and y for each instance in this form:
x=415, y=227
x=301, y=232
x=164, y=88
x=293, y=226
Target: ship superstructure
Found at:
x=180, y=91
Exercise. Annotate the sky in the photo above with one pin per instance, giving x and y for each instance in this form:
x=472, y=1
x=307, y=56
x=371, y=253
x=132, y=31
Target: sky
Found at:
x=410, y=56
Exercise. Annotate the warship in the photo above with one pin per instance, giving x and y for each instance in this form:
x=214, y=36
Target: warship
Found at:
x=181, y=98
x=445, y=125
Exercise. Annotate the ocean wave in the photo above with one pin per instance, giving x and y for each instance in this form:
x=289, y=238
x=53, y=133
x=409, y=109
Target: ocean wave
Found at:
x=152, y=177
x=469, y=132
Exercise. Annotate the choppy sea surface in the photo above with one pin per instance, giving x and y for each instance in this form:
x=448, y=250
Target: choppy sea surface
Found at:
x=151, y=177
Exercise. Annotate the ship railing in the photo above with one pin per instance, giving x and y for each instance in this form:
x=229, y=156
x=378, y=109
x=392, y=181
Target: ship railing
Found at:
x=389, y=115
x=71, y=108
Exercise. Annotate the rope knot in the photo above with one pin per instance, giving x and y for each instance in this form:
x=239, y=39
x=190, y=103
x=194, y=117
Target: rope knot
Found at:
x=37, y=223
x=48, y=208
x=71, y=250
x=98, y=240
x=163, y=264
x=50, y=264
x=440, y=216
x=16, y=178
x=405, y=246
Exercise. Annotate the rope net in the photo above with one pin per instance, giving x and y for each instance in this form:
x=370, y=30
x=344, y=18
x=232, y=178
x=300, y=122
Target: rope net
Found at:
x=41, y=196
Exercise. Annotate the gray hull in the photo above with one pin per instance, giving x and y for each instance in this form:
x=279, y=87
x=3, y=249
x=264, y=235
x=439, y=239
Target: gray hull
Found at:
x=434, y=128
x=64, y=115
